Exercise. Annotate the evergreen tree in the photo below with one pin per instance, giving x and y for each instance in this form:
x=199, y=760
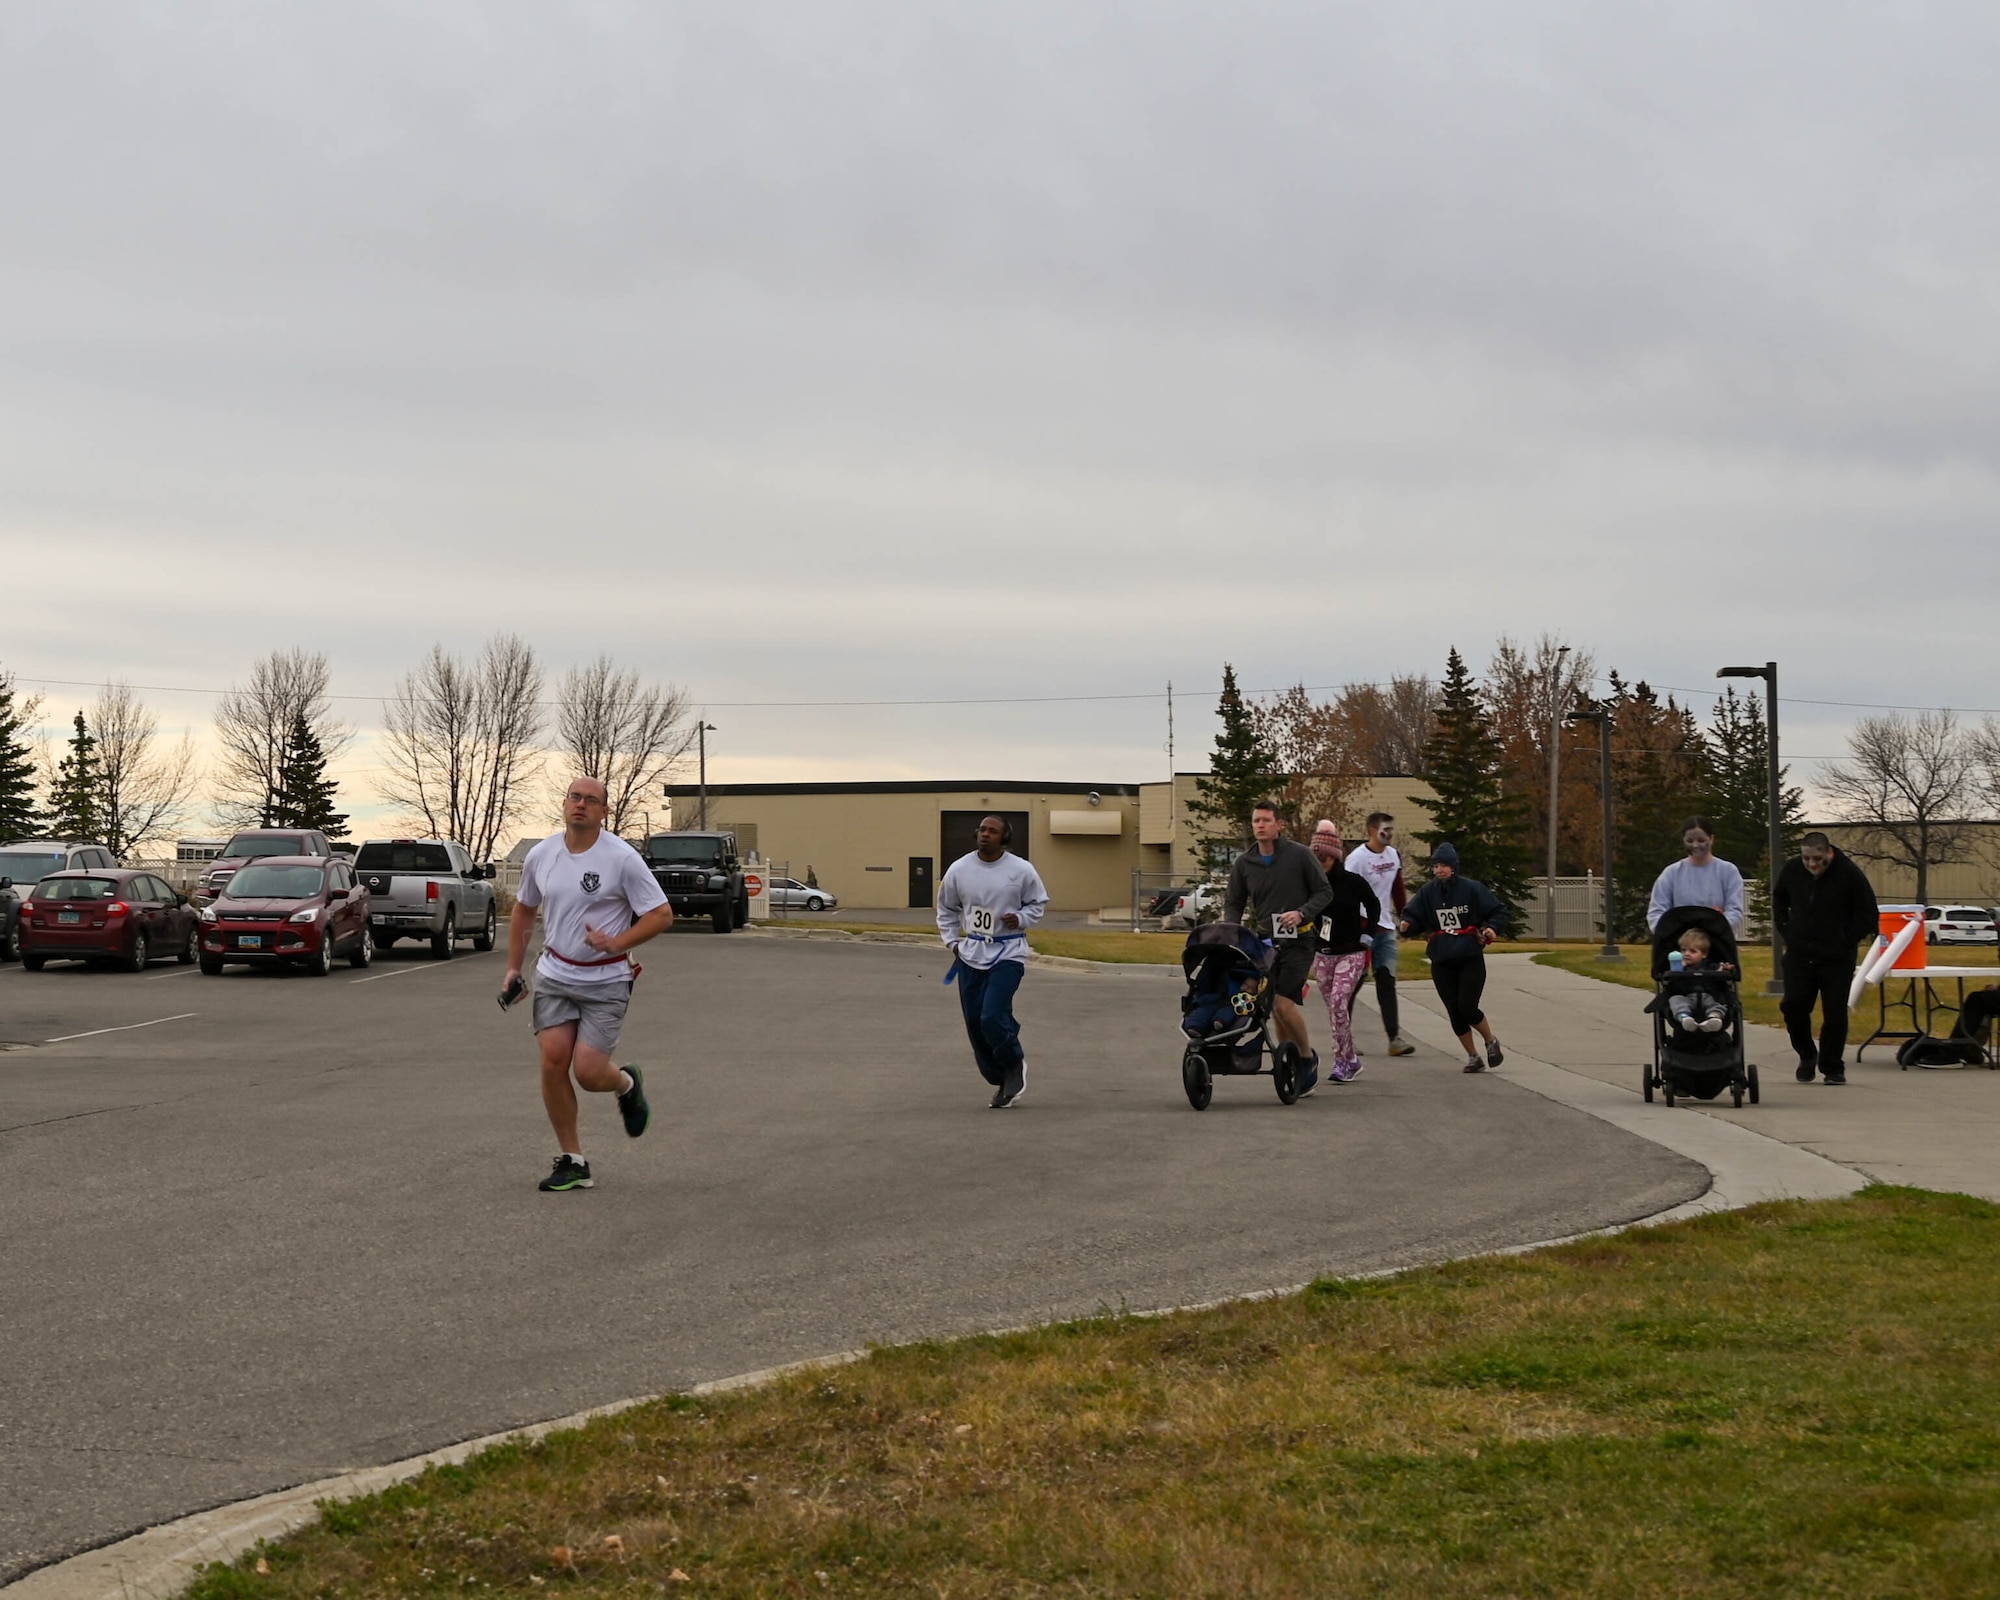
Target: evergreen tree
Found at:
x=1475, y=809
x=18, y=817
x=1242, y=770
x=1739, y=790
x=305, y=796
x=76, y=809
x=1660, y=766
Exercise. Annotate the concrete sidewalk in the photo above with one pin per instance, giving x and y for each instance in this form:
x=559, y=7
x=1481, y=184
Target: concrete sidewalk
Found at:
x=1930, y=1129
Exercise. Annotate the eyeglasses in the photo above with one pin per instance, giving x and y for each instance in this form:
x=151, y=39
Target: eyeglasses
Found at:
x=576, y=799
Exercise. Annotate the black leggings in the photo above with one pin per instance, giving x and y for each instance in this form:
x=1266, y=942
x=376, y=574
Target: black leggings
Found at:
x=1459, y=985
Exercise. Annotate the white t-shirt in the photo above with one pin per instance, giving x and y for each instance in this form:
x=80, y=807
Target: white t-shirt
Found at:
x=606, y=887
x=1381, y=870
x=975, y=895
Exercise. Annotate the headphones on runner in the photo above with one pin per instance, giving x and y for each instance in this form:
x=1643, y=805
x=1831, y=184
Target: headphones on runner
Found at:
x=1006, y=831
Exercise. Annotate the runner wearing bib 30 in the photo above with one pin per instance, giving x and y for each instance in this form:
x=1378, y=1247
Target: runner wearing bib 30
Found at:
x=597, y=901
x=986, y=904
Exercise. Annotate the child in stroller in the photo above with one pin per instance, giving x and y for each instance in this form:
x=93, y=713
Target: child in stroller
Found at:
x=1701, y=1002
x=1220, y=999
x=1226, y=1013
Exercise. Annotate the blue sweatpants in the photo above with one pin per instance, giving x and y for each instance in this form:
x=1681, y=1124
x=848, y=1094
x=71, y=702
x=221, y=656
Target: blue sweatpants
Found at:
x=987, y=999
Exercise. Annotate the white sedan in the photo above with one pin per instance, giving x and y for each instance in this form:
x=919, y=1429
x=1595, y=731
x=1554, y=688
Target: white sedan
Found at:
x=796, y=896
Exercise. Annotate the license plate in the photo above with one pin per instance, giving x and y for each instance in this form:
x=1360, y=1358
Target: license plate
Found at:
x=69, y=916
x=250, y=941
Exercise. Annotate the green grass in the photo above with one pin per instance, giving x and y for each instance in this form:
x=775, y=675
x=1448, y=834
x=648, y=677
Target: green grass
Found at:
x=1793, y=1400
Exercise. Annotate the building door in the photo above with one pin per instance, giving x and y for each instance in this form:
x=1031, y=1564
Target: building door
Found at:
x=958, y=833
x=920, y=883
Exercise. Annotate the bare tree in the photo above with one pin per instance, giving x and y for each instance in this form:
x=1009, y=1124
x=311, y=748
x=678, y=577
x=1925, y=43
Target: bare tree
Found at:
x=1985, y=742
x=629, y=735
x=1391, y=725
x=1314, y=742
x=146, y=788
x=460, y=741
x=1523, y=690
x=1909, y=783
x=253, y=726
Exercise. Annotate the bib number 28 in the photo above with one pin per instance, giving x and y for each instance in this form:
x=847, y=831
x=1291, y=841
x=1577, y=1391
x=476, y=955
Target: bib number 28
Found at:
x=982, y=922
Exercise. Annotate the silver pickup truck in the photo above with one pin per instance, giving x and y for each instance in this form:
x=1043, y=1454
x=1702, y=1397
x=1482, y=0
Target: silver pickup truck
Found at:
x=427, y=889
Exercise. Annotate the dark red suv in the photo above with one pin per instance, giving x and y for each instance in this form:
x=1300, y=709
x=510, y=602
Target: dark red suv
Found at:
x=119, y=914
x=288, y=911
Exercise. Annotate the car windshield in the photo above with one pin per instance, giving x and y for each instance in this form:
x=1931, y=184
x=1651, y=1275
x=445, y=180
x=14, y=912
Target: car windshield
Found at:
x=402, y=856
x=29, y=866
x=690, y=852
x=249, y=846
x=275, y=883
x=76, y=889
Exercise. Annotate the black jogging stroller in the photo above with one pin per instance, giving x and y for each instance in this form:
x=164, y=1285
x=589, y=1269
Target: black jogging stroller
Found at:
x=1226, y=1014
x=1687, y=1062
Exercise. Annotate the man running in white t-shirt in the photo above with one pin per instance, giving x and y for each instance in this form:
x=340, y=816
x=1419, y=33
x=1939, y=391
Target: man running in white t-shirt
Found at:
x=986, y=904
x=597, y=901
x=1380, y=864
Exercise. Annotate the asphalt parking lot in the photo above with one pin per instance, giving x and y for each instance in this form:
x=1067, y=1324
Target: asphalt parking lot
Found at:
x=261, y=1228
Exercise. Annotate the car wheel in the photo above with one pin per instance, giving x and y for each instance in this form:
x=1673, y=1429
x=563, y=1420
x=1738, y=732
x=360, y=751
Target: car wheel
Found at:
x=445, y=945
x=33, y=963
x=815, y=904
x=741, y=911
x=190, y=952
x=364, y=952
x=211, y=966
x=722, y=918
x=10, y=947
x=320, y=962
x=136, y=960
x=487, y=936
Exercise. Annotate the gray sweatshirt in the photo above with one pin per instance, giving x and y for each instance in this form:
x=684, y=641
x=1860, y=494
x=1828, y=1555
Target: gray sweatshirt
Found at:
x=1292, y=882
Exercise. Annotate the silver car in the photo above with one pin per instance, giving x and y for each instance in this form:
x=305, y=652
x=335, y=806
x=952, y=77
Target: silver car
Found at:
x=795, y=896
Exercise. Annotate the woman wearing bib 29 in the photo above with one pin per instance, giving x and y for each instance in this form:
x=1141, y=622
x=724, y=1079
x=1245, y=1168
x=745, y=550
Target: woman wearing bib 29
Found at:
x=1458, y=918
x=985, y=906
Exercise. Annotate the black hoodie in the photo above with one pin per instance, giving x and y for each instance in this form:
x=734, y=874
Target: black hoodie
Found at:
x=1823, y=918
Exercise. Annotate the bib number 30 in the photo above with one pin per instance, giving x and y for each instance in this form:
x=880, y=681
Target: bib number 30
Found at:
x=982, y=922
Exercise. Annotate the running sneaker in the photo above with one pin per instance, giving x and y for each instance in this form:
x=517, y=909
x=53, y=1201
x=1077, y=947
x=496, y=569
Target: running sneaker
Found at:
x=999, y=1100
x=569, y=1172
x=1474, y=1064
x=1345, y=1071
x=1012, y=1087
x=1807, y=1067
x=632, y=1106
x=1398, y=1048
x=1494, y=1054
x=1308, y=1076
x=1835, y=1076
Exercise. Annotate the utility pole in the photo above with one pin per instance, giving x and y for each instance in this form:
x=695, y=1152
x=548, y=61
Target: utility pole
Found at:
x=1605, y=725
x=1775, y=801
x=701, y=732
x=1555, y=778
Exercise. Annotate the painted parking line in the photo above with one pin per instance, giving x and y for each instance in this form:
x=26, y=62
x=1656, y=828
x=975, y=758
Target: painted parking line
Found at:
x=180, y=1016
x=433, y=966
x=178, y=972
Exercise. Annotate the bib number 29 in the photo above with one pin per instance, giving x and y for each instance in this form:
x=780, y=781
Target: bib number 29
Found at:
x=982, y=922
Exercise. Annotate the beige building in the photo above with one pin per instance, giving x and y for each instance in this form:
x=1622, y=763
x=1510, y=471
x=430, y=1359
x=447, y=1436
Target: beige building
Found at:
x=883, y=845
x=1974, y=881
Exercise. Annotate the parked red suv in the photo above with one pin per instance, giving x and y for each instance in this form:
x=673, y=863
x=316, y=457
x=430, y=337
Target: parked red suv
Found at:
x=285, y=911
x=120, y=915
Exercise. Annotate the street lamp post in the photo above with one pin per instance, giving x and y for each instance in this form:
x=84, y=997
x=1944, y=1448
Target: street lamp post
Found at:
x=701, y=732
x=1555, y=775
x=1605, y=725
x=1769, y=673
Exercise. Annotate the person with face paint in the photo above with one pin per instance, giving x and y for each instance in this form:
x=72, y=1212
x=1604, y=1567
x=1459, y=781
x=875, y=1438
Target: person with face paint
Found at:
x=1346, y=927
x=1824, y=906
x=1701, y=878
x=986, y=903
x=1458, y=918
x=1378, y=862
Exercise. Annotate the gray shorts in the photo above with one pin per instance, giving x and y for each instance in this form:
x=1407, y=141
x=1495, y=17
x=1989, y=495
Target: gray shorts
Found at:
x=597, y=1009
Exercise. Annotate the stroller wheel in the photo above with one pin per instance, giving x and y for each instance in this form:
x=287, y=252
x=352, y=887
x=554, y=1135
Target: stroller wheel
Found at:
x=1285, y=1072
x=1646, y=1079
x=1196, y=1078
x=1750, y=1072
x=1667, y=1088
x=1736, y=1095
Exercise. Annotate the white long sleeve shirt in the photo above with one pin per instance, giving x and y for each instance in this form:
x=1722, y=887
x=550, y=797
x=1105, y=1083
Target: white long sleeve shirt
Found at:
x=1717, y=884
x=973, y=898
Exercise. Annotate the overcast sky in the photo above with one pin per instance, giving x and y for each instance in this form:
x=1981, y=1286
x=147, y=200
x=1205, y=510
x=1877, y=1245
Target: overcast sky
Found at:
x=861, y=352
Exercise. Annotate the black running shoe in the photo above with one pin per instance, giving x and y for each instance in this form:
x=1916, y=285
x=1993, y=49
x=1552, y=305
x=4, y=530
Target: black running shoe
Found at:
x=632, y=1106
x=569, y=1172
x=999, y=1100
x=1012, y=1087
x=1835, y=1076
x=1807, y=1067
x=1494, y=1054
x=1308, y=1075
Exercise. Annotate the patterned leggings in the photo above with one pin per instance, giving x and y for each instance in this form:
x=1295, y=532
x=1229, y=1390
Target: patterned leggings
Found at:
x=1338, y=977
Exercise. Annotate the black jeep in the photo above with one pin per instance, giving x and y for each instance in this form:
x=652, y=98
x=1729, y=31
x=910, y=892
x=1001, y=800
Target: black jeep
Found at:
x=701, y=876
